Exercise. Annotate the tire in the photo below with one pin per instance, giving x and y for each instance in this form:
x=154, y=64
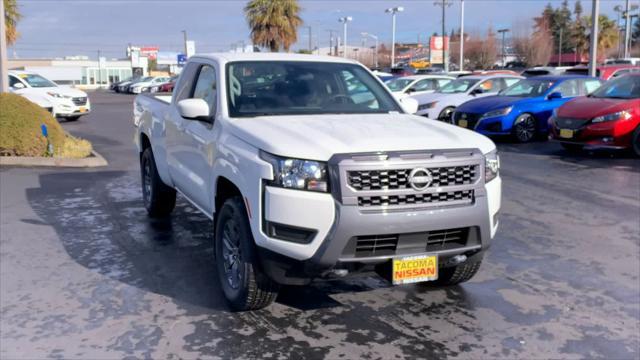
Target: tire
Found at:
x=72, y=118
x=572, y=148
x=456, y=274
x=524, y=128
x=159, y=199
x=635, y=142
x=244, y=284
x=445, y=114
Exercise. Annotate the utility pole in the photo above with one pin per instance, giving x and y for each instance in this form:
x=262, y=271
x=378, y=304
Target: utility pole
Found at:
x=627, y=29
x=560, y=48
x=504, y=59
x=461, y=35
x=184, y=35
x=4, y=64
x=393, y=12
x=375, y=54
x=310, y=45
x=444, y=4
x=331, y=31
x=593, y=50
x=344, y=20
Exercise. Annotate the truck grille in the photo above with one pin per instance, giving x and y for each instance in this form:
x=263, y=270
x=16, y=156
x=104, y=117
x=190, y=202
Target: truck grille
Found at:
x=431, y=241
x=570, y=123
x=399, y=178
x=462, y=197
x=79, y=101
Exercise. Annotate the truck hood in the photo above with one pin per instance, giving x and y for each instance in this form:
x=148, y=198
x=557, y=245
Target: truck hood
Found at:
x=318, y=137
x=590, y=107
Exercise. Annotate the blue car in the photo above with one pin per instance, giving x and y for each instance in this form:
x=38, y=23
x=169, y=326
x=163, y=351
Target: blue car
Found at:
x=523, y=109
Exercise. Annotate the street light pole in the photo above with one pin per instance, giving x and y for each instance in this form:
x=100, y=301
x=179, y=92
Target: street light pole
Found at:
x=627, y=29
x=344, y=20
x=504, y=59
x=184, y=36
x=593, y=50
x=375, y=54
x=393, y=12
x=461, y=35
x=444, y=4
x=560, y=48
x=4, y=64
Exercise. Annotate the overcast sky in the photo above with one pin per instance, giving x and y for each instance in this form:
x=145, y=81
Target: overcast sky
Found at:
x=54, y=28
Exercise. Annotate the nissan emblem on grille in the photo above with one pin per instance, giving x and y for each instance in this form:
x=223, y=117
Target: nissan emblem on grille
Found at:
x=420, y=179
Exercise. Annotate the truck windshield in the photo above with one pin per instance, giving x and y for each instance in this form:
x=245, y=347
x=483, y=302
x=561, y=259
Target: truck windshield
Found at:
x=624, y=87
x=458, y=86
x=261, y=88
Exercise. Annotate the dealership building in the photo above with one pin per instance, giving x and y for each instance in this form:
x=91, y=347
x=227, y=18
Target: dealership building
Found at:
x=79, y=71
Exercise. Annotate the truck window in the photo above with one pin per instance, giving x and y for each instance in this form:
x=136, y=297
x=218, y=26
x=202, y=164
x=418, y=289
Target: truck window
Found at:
x=206, y=87
x=184, y=87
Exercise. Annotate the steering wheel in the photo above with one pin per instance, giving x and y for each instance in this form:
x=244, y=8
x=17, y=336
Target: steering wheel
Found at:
x=343, y=99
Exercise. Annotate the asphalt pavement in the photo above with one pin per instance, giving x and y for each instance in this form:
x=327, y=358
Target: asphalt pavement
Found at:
x=84, y=273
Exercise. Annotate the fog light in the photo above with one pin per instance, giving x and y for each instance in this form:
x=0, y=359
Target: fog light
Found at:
x=607, y=139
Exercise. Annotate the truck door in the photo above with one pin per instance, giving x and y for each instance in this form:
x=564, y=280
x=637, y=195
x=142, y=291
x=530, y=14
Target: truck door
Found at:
x=195, y=143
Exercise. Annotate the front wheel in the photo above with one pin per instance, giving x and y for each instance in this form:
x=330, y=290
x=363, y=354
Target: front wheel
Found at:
x=524, y=128
x=635, y=142
x=244, y=284
x=446, y=114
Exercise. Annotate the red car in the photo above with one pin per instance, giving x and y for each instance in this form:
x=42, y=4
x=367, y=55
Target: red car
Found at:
x=609, y=117
x=606, y=72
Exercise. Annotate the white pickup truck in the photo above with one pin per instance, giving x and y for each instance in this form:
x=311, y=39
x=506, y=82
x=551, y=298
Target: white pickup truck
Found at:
x=311, y=169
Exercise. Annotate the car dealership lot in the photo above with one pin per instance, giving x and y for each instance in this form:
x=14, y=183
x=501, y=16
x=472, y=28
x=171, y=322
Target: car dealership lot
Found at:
x=84, y=273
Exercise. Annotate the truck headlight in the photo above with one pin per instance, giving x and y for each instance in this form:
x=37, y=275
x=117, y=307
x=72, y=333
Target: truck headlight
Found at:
x=496, y=113
x=620, y=115
x=297, y=173
x=491, y=166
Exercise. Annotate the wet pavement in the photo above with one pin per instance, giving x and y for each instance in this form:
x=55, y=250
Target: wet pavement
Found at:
x=84, y=273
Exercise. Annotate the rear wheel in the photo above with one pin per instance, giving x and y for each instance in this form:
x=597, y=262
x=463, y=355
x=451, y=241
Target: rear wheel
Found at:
x=524, y=128
x=635, y=142
x=572, y=148
x=245, y=285
x=159, y=199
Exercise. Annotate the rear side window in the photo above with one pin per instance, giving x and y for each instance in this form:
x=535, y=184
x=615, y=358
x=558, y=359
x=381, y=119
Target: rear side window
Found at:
x=568, y=88
x=511, y=81
x=590, y=85
x=185, y=85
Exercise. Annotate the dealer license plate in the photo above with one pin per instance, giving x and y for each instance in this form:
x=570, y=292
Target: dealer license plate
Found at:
x=413, y=269
x=463, y=123
x=566, y=134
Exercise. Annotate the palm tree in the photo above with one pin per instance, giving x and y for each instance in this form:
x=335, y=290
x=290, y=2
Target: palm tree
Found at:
x=11, y=17
x=274, y=23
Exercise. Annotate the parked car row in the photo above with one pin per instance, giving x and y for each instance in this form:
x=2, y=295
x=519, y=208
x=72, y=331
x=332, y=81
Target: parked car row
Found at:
x=576, y=110
x=61, y=101
x=137, y=85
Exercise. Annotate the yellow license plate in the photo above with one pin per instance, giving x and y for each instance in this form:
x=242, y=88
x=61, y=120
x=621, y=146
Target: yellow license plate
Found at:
x=83, y=109
x=414, y=269
x=566, y=134
x=463, y=123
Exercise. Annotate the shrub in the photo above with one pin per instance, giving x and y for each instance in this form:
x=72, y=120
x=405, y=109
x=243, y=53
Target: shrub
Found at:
x=21, y=134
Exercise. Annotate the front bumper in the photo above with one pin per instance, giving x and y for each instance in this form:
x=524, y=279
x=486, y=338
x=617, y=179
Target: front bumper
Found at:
x=67, y=108
x=338, y=225
x=608, y=135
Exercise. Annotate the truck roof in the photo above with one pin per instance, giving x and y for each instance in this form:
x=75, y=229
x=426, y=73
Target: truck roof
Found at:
x=229, y=57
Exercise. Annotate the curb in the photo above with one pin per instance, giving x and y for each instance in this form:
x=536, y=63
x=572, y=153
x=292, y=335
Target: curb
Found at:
x=95, y=160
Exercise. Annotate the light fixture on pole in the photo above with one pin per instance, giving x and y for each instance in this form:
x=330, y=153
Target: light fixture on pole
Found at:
x=375, y=54
x=344, y=20
x=503, y=32
x=393, y=12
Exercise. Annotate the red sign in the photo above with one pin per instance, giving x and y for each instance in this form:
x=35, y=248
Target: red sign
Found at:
x=150, y=51
x=438, y=42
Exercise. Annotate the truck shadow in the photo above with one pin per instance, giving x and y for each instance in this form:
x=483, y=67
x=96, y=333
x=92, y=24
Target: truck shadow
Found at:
x=103, y=226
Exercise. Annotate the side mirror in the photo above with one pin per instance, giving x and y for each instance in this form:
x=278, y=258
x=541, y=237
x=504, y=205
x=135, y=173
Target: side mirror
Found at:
x=555, y=95
x=18, y=85
x=410, y=90
x=476, y=91
x=194, y=109
x=409, y=105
